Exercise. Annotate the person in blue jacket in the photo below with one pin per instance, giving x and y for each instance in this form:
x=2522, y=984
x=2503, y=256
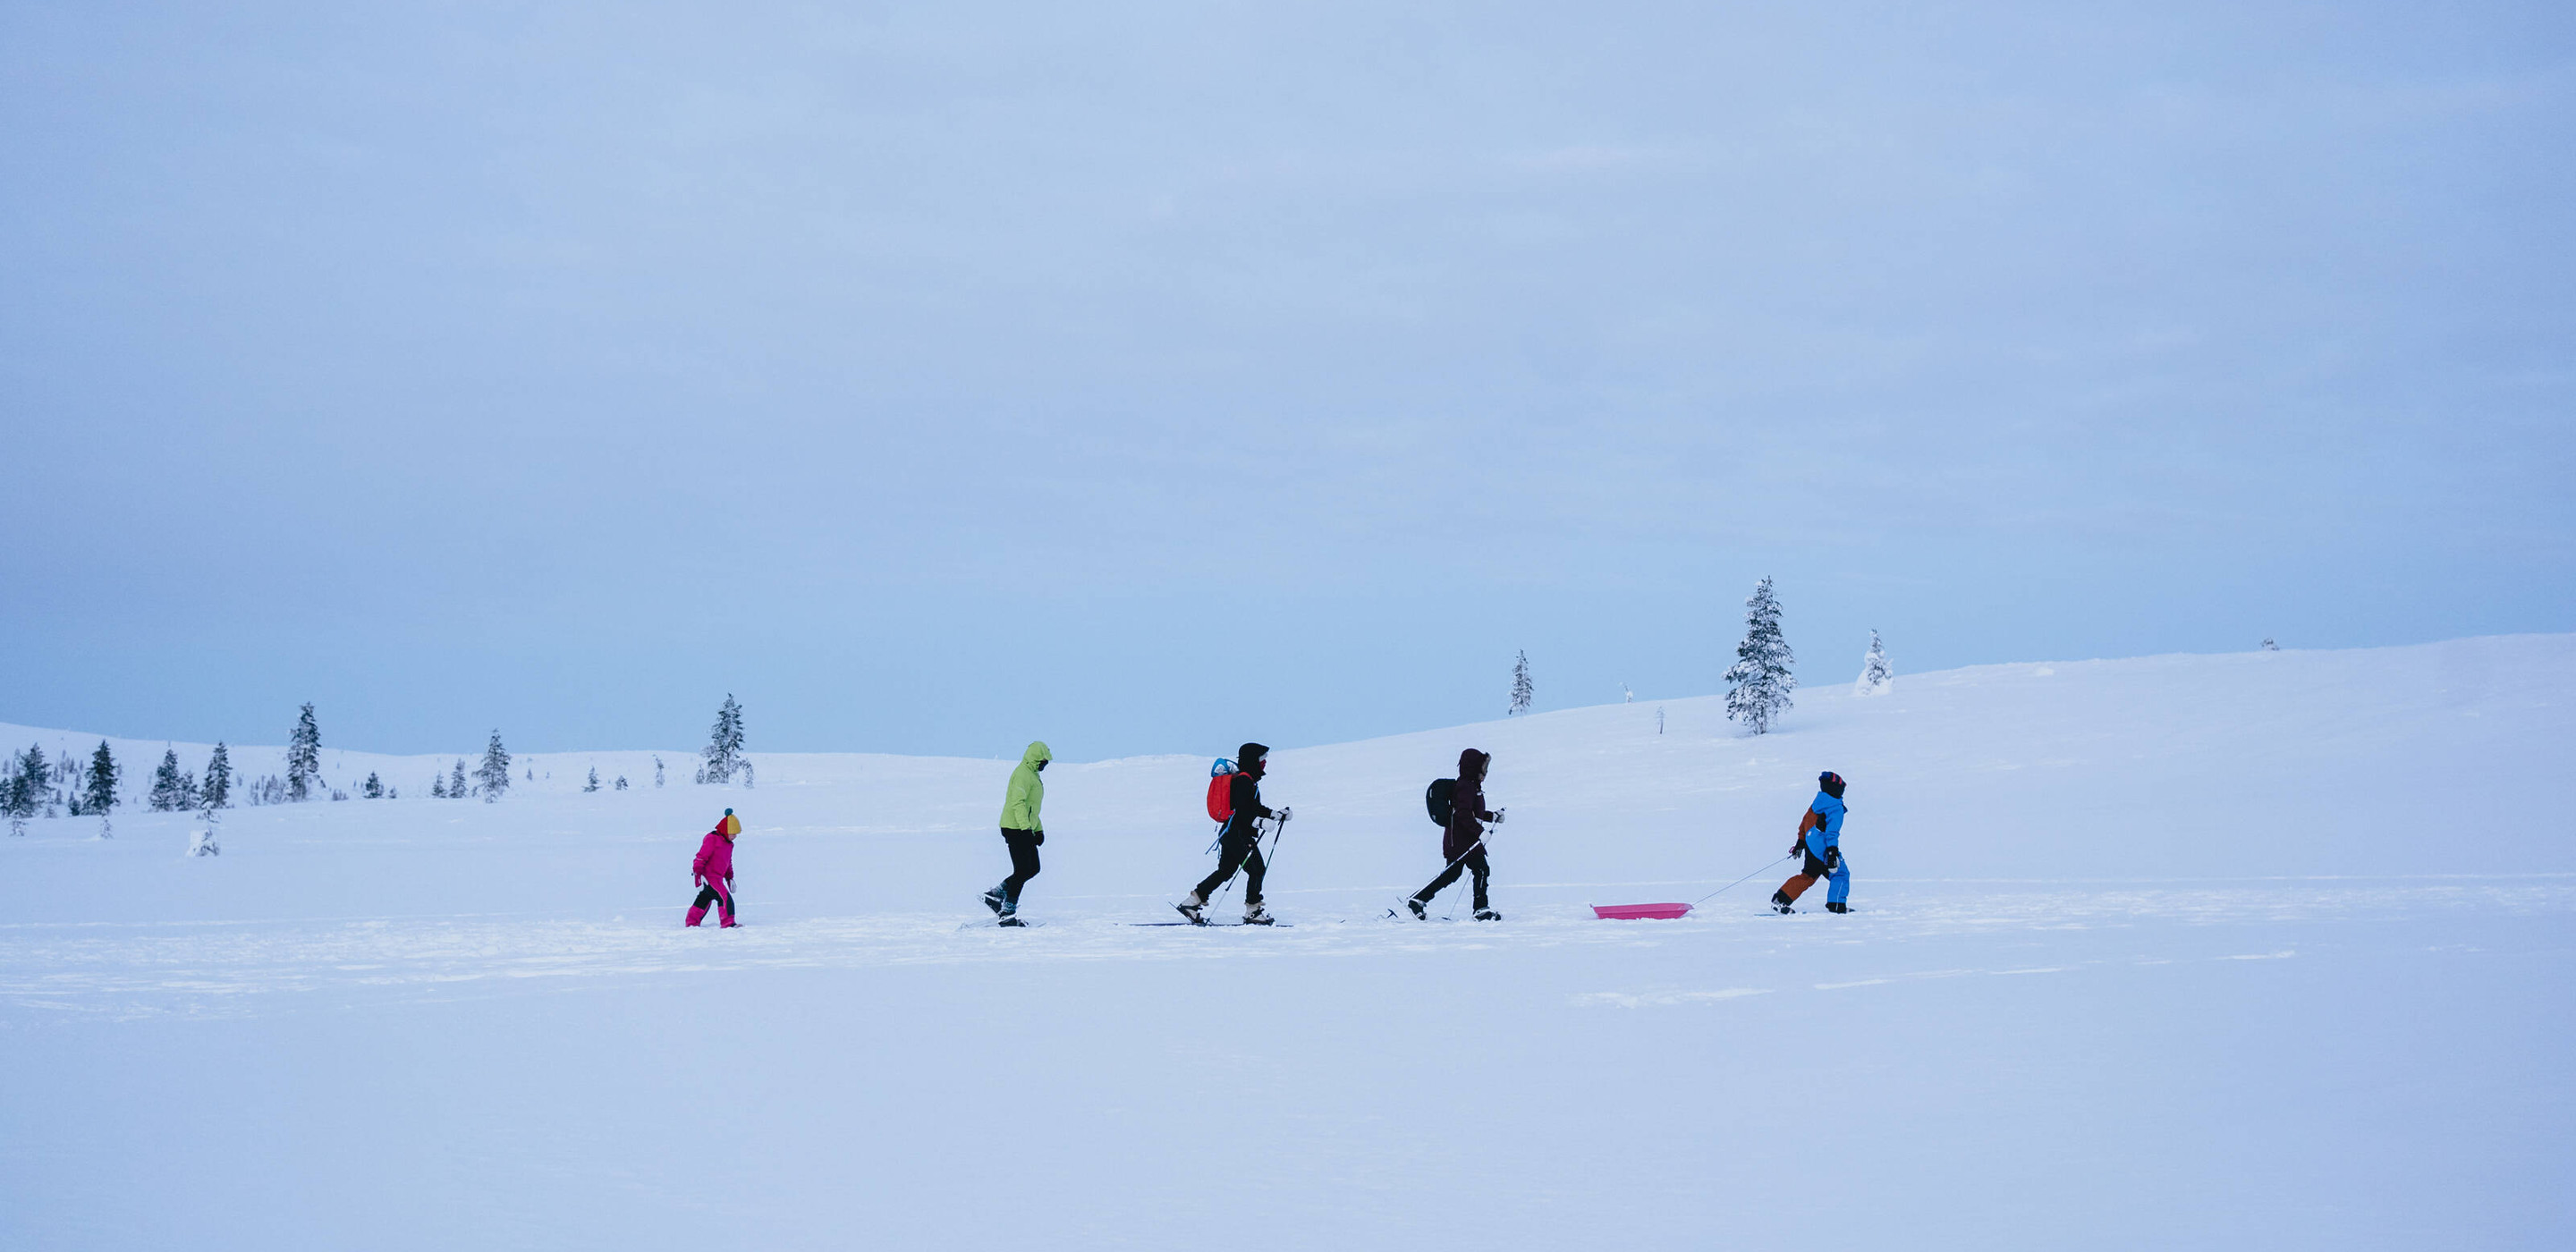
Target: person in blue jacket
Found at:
x=1820, y=837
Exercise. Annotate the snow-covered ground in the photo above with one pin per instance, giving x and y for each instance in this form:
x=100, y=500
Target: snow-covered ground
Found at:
x=2269, y=950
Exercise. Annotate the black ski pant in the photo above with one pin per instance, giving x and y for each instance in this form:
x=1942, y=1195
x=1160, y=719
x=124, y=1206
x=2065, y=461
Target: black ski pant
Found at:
x=1473, y=862
x=1236, y=852
x=1024, y=863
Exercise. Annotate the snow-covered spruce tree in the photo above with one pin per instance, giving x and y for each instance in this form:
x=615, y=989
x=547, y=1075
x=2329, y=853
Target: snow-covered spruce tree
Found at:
x=438, y=786
x=1875, y=676
x=1520, y=685
x=495, y=772
x=621, y=782
x=167, y=795
x=456, y=781
x=593, y=784
x=1759, y=683
x=723, y=752
x=373, y=788
x=26, y=790
x=303, y=757
x=217, y=790
x=98, y=790
x=657, y=769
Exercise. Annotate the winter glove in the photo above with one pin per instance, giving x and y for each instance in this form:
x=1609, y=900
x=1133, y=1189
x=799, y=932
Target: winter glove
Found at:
x=1496, y=817
x=1039, y=840
x=1833, y=859
x=1283, y=814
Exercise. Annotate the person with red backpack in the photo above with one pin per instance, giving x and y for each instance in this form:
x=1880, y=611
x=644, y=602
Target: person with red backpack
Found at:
x=1239, y=843
x=1462, y=838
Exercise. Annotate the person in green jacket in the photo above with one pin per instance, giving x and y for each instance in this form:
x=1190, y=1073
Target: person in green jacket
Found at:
x=1022, y=832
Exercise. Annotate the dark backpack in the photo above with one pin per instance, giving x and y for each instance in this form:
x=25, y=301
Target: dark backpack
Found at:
x=1437, y=797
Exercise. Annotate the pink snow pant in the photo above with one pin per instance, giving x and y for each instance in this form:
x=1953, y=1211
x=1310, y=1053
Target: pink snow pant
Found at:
x=716, y=892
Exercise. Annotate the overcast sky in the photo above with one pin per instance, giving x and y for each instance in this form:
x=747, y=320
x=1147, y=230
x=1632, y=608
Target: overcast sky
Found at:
x=1153, y=377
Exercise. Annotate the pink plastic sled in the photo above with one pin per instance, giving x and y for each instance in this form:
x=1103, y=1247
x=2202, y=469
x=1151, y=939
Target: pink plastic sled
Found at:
x=1636, y=912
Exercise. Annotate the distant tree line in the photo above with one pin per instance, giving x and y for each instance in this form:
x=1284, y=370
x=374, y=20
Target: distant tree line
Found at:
x=32, y=786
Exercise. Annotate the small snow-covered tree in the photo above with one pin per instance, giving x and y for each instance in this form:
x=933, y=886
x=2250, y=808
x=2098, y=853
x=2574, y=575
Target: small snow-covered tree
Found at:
x=24, y=791
x=438, y=786
x=657, y=769
x=168, y=794
x=2270, y=646
x=1759, y=683
x=303, y=756
x=495, y=772
x=1875, y=675
x=621, y=782
x=723, y=752
x=373, y=788
x=456, y=781
x=593, y=784
x=1659, y=719
x=98, y=789
x=1521, y=689
x=217, y=790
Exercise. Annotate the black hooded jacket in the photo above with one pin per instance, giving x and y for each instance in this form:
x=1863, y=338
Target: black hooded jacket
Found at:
x=1245, y=792
x=1467, y=815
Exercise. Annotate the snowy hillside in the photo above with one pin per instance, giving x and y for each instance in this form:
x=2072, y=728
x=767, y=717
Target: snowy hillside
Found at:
x=2268, y=948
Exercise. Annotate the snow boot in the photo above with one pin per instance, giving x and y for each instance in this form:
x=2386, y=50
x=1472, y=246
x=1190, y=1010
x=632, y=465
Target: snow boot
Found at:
x=1488, y=915
x=1257, y=916
x=1837, y=906
x=1780, y=902
x=696, y=916
x=1191, y=909
x=1012, y=919
x=993, y=900
x=1415, y=904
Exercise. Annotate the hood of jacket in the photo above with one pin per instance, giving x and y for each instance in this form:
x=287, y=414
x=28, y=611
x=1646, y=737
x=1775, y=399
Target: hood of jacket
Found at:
x=1248, y=759
x=1471, y=767
x=1036, y=753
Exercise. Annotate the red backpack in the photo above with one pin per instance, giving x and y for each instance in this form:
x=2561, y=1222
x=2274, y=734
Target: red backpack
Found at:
x=1221, y=791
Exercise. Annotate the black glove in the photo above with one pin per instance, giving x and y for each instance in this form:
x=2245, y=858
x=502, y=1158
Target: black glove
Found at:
x=1038, y=840
x=1833, y=859
x=1798, y=847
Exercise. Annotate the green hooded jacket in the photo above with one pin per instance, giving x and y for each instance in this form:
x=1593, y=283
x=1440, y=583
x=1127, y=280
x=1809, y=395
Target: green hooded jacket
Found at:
x=1028, y=791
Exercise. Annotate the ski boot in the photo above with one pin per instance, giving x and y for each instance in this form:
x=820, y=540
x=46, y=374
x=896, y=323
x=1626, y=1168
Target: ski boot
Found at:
x=1257, y=916
x=1780, y=902
x=1416, y=905
x=1012, y=919
x=1488, y=915
x=993, y=900
x=1193, y=910
x=1837, y=906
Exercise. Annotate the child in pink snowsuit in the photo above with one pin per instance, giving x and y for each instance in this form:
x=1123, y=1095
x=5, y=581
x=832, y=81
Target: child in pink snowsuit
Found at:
x=713, y=871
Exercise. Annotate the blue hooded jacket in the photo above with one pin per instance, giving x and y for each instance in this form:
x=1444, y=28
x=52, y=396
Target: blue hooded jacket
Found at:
x=1828, y=832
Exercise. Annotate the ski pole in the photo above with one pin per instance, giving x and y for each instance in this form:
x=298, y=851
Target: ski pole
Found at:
x=1758, y=869
x=1471, y=851
x=1277, y=833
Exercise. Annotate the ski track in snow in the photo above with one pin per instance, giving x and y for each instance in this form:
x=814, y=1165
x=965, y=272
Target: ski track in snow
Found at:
x=244, y=967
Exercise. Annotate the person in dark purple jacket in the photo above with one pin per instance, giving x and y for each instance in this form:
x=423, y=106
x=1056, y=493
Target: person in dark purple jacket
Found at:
x=1462, y=843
